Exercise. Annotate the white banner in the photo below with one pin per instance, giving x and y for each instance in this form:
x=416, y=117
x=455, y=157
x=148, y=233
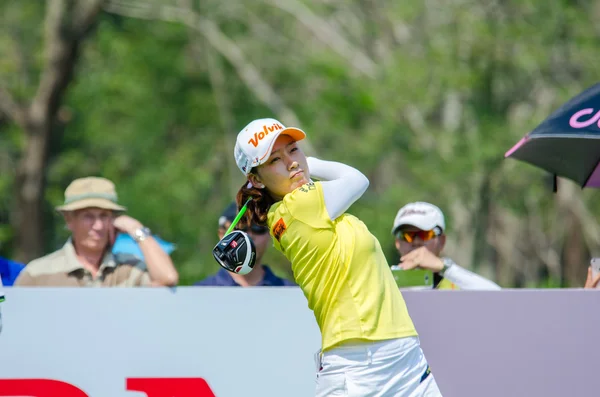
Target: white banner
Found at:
x=243, y=342
x=232, y=342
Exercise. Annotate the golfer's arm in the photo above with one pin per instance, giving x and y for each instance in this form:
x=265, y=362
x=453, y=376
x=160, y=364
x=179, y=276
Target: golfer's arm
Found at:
x=342, y=184
x=467, y=280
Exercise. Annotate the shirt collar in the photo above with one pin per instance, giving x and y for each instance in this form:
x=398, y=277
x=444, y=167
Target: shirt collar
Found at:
x=224, y=278
x=270, y=278
x=72, y=263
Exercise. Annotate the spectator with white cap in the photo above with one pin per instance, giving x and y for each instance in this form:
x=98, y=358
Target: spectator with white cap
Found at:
x=419, y=230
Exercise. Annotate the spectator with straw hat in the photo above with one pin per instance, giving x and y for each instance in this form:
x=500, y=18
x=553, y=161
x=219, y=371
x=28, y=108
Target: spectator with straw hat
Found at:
x=94, y=217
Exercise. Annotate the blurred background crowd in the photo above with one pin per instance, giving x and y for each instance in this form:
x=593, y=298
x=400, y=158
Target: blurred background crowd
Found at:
x=424, y=97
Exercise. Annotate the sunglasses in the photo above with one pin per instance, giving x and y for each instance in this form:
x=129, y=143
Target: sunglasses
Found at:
x=425, y=235
x=256, y=229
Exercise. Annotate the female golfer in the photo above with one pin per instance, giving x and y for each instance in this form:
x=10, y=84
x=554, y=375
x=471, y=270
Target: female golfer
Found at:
x=369, y=343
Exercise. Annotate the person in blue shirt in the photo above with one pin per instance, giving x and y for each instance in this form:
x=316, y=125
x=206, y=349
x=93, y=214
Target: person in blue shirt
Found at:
x=1, y=300
x=9, y=270
x=261, y=275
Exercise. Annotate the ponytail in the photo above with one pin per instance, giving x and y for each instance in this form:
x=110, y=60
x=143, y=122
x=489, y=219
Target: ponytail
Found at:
x=258, y=207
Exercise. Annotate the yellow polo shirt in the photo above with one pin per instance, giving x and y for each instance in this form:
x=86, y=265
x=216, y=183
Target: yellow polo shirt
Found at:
x=341, y=268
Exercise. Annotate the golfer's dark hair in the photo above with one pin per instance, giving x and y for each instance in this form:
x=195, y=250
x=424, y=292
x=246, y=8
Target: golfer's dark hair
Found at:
x=258, y=207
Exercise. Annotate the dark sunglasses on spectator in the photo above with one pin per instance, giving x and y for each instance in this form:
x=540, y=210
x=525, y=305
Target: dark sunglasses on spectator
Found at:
x=425, y=235
x=256, y=229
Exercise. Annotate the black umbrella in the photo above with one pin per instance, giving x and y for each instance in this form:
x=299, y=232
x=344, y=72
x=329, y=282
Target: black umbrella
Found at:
x=568, y=142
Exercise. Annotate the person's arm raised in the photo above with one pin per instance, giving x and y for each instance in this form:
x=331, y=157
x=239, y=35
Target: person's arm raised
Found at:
x=160, y=266
x=342, y=184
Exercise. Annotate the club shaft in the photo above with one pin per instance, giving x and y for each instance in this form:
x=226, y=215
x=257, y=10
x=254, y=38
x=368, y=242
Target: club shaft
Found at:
x=238, y=216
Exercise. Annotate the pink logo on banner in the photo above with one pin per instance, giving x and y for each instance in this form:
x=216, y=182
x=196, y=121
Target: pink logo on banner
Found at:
x=576, y=123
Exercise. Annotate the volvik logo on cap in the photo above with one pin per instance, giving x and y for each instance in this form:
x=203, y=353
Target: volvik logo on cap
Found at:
x=255, y=141
x=259, y=136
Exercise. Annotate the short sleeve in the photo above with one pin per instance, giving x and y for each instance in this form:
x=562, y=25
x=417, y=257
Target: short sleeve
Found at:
x=307, y=205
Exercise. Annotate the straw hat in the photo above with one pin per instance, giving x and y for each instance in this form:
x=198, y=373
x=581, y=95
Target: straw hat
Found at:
x=90, y=192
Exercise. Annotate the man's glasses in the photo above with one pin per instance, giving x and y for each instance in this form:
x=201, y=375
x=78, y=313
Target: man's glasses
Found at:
x=410, y=235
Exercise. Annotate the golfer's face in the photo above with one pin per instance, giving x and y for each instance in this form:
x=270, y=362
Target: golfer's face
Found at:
x=285, y=170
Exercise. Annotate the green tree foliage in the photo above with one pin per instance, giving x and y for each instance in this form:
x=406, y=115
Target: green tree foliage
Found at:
x=424, y=97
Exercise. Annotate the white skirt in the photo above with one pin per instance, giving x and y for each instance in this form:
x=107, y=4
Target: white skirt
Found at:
x=389, y=368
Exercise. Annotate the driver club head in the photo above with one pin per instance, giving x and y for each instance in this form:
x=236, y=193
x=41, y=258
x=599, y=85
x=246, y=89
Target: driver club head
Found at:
x=236, y=252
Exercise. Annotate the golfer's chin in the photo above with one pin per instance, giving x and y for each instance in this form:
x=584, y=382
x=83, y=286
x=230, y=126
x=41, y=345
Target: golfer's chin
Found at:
x=299, y=182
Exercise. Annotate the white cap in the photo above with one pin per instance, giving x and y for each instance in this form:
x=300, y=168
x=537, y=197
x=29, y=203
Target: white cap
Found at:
x=255, y=142
x=423, y=215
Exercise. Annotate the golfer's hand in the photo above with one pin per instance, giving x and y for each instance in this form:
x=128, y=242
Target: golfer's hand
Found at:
x=421, y=258
x=591, y=282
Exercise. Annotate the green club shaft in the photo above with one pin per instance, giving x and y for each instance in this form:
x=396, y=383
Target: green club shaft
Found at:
x=238, y=216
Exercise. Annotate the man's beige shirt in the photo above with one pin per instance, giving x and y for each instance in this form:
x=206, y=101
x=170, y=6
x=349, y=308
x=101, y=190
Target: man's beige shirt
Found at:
x=62, y=269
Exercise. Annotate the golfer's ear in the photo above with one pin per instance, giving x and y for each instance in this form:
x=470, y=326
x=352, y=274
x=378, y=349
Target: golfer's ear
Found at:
x=255, y=180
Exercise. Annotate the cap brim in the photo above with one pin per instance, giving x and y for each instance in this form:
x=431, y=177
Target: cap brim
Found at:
x=91, y=203
x=417, y=222
x=296, y=133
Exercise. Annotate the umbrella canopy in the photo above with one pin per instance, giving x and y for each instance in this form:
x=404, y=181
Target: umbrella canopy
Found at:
x=568, y=142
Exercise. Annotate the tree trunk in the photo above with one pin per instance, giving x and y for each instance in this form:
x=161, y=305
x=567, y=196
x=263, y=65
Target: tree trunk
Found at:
x=576, y=257
x=28, y=213
x=65, y=26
